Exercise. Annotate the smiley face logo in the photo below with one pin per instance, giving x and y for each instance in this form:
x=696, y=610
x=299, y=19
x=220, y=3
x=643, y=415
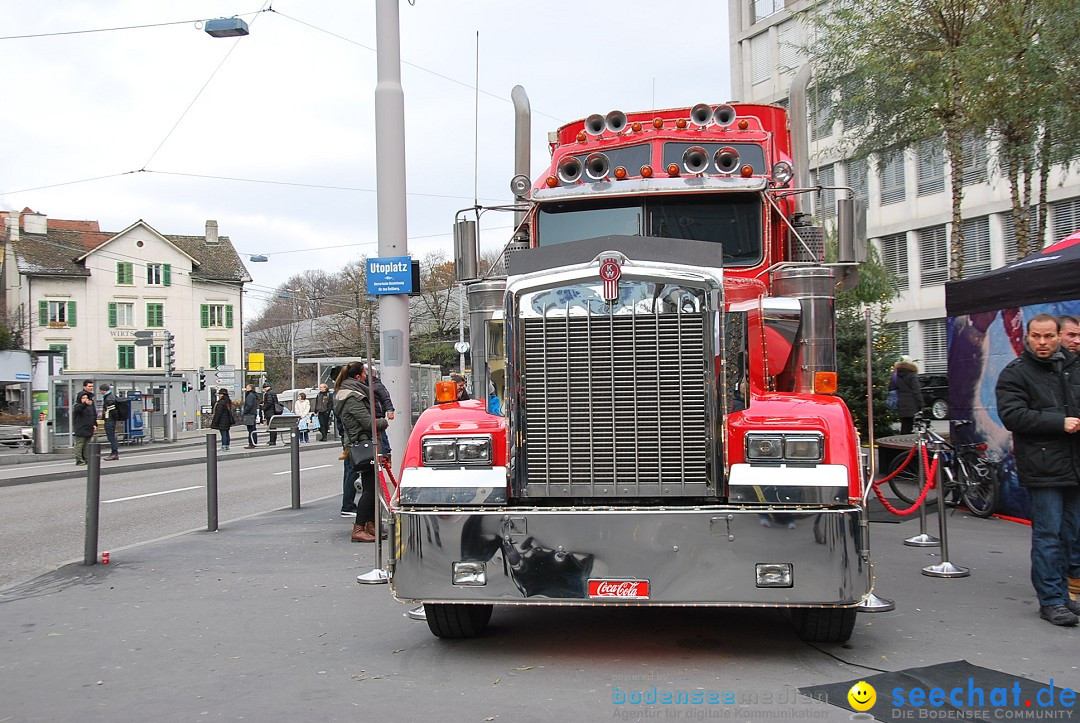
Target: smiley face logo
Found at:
x=862, y=696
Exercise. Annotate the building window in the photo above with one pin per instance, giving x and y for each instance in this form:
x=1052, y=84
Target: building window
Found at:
x=155, y=356
x=898, y=334
x=974, y=156
x=894, y=257
x=218, y=316
x=935, y=345
x=217, y=355
x=931, y=167
x=62, y=348
x=976, y=245
x=155, y=315
x=826, y=199
x=933, y=255
x=821, y=114
x=788, y=55
x=892, y=177
x=761, y=65
x=765, y=8
x=1065, y=216
x=125, y=357
x=856, y=178
x=56, y=313
x=125, y=273
x=121, y=314
x=159, y=274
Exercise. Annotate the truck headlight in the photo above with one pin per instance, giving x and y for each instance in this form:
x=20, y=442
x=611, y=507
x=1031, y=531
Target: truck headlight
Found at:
x=437, y=451
x=785, y=447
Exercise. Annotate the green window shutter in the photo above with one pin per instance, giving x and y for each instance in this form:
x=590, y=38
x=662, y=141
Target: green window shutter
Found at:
x=129, y=273
x=119, y=272
x=43, y=313
x=204, y=316
x=71, y=313
x=228, y=316
x=166, y=274
x=112, y=314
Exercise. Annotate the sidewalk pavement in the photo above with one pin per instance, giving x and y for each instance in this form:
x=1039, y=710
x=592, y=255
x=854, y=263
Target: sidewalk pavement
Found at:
x=263, y=620
x=24, y=467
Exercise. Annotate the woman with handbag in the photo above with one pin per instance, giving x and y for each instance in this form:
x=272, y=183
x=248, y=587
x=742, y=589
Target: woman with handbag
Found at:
x=352, y=405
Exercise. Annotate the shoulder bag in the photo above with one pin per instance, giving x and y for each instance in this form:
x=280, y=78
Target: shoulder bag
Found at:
x=362, y=452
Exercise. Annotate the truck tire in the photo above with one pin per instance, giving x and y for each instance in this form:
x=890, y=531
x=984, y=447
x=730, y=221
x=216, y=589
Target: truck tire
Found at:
x=823, y=625
x=455, y=621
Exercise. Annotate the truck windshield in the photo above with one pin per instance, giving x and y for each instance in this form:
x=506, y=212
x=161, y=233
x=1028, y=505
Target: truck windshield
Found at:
x=733, y=220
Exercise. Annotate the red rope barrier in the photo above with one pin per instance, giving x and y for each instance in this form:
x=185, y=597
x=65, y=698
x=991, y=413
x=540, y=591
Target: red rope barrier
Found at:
x=384, y=473
x=931, y=472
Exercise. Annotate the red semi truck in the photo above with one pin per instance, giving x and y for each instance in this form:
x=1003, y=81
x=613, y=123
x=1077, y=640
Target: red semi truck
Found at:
x=662, y=353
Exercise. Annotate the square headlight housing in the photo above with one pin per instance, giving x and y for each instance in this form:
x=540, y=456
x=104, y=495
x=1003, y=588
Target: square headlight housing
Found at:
x=764, y=448
x=781, y=447
x=456, y=451
x=803, y=448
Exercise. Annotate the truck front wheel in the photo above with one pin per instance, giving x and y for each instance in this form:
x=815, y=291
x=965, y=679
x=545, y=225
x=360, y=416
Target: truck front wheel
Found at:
x=454, y=621
x=823, y=625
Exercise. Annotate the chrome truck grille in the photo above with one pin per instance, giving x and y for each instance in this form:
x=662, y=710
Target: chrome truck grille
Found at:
x=614, y=398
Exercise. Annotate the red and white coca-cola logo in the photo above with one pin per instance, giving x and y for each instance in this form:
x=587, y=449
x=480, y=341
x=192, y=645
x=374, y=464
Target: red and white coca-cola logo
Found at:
x=619, y=588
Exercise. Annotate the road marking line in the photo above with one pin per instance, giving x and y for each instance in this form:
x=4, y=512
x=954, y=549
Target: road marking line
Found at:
x=152, y=494
x=303, y=469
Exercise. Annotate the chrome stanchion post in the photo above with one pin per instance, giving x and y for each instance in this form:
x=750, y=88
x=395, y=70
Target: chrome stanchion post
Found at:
x=870, y=603
x=93, y=501
x=211, y=483
x=923, y=539
x=943, y=568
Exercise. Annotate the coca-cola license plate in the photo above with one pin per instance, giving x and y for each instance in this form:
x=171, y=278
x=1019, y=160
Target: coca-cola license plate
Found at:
x=638, y=589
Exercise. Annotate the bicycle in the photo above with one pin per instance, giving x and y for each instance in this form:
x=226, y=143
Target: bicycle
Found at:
x=968, y=473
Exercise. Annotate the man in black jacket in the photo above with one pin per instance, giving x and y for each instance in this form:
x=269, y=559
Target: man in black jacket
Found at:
x=270, y=407
x=1037, y=399
x=251, y=416
x=323, y=402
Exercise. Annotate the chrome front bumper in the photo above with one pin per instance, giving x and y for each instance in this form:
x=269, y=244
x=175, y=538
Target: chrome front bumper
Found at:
x=700, y=556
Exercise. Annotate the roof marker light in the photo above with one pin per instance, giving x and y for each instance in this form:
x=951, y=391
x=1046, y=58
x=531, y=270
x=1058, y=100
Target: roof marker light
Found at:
x=620, y=173
x=747, y=171
x=681, y=123
x=743, y=124
x=581, y=137
x=636, y=126
x=646, y=171
x=673, y=169
x=552, y=182
x=657, y=122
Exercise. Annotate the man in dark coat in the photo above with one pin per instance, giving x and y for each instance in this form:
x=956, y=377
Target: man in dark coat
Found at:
x=269, y=409
x=222, y=420
x=323, y=402
x=251, y=416
x=83, y=423
x=108, y=417
x=1037, y=398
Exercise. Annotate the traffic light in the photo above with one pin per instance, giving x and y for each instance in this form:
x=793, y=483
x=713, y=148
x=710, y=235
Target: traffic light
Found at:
x=202, y=379
x=184, y=386
x=170, y=354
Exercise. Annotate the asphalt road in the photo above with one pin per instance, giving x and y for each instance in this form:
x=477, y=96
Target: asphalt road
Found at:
x=42, y=524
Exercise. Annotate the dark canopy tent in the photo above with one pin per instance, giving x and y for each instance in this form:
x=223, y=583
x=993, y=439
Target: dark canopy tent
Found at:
x=1050, y=274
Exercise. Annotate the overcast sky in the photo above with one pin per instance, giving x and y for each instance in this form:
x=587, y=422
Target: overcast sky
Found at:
x=162, y=123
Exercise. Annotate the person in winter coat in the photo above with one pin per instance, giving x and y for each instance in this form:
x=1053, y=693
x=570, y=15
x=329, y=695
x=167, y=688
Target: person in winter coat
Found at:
x=108, y=418
x=905, y=380
x=251, y=415
x=270, y=406
x=384, y=407
x=83, y=423
x=323, y=403
x=1038, y=400
x=222, y=420
x=353, y=408
x=302, y=408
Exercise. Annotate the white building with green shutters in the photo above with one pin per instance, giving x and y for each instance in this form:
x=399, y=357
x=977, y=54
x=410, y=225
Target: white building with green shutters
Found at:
x=72, y=288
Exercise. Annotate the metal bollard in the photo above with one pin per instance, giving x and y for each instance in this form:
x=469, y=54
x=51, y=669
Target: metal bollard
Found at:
x=211, y=483
x=93, y=502
x=943, y=568
x=294, y=464
x=922, y=539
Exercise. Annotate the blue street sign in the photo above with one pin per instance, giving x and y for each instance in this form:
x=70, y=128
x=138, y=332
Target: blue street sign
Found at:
x=390, y=275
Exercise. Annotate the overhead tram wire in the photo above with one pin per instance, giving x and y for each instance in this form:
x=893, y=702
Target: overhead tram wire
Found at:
x=109, y=30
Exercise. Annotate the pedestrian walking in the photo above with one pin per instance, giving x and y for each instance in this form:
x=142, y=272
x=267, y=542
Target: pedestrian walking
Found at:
x=323, y=403
x=222, y=420
x=271, y=407
x=83, y=423
x=1037, y=400
x=353, y=408
x=250, y=411
x=909, y=397
x=108, y=418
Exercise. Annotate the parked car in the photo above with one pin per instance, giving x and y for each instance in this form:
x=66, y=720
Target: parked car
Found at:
x=13, y=435
x=935, y=389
